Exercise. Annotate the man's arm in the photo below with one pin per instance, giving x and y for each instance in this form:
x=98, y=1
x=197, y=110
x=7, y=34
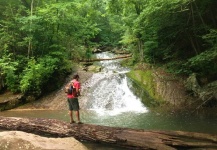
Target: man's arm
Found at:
x=78, y=88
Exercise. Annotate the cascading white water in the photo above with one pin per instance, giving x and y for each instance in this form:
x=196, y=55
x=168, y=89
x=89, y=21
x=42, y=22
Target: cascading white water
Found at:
x=109, y=92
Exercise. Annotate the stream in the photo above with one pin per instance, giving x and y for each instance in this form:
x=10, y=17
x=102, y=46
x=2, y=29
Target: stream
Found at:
x=107, y=100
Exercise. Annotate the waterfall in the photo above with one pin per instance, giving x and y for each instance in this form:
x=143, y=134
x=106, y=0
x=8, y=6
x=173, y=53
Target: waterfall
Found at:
x=108, y=91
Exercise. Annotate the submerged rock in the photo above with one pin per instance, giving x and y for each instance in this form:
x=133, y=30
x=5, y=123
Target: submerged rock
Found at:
x=94, y=68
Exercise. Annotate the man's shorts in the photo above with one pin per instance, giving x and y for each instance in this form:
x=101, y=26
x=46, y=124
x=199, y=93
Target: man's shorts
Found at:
x=73, y=104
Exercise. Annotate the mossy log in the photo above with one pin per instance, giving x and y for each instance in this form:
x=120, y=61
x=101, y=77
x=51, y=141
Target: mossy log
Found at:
x=122, y=137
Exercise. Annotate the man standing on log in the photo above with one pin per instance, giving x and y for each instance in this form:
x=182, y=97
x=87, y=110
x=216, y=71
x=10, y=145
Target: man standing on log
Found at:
x=72, y=98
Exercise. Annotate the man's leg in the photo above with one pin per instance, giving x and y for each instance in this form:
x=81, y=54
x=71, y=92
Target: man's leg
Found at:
x=71, y=116
x=70, y=110
x=78, y=115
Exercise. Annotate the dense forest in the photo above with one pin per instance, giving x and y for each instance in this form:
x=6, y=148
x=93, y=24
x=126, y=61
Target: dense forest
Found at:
x=41, y=40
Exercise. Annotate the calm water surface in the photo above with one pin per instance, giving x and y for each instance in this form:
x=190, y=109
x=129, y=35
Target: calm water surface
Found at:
x=148, y=121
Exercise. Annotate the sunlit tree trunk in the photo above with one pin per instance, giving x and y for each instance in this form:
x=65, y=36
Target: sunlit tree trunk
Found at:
x=190, y=36
x=141, y=53
x=139, y=7
x=58, y=25
x=30, y=38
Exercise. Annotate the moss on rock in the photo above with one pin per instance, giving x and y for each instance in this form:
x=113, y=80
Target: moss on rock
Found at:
x=145, y=80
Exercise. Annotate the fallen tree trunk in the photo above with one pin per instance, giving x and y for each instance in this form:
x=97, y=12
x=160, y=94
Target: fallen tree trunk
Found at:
x=103, y=59
x=123, y=137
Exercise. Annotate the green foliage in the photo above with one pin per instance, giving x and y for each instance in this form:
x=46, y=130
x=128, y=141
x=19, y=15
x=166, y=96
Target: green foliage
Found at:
x=128, y=38
x=52, y=34
x=37, y=74
x=211, y=38
x=179, y=33
x=177, y=67
x=8, y=71
x=150, y=51
x=204, y=63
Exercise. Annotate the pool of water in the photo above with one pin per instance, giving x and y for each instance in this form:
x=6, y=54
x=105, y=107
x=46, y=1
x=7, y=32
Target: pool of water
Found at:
x=151, y=120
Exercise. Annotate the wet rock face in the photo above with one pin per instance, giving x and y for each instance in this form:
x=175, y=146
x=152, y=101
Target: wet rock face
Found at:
x=18, y=140
x=9, y=100
x=162, y=86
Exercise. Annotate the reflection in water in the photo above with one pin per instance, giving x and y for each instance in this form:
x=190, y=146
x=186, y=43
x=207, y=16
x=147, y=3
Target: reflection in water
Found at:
x=108, y=91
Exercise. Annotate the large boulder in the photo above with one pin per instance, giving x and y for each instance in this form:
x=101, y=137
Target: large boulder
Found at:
x=207, y=93
x=192, y=84
x=17, y=140
x=8, y=100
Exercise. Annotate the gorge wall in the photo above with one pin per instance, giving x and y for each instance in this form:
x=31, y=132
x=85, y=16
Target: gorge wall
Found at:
x=163, y=87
